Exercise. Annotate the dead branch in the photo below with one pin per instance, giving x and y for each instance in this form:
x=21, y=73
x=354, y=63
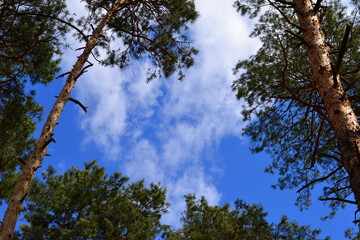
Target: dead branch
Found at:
x=62, y=75
x=343, y=48
x=79, y=103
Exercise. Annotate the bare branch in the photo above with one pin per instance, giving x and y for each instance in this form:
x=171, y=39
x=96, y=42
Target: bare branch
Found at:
x=62, y=75
x=343, y=48
x=84, y=70
x=76, y=102
x=79, y=103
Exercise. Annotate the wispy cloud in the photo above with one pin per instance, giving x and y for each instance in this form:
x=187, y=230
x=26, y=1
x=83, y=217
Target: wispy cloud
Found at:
x=107, y=115
x=166, y=131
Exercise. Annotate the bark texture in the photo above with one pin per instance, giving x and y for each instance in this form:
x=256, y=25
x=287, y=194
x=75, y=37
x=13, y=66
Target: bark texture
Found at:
x=21, y=189
x=338, y=107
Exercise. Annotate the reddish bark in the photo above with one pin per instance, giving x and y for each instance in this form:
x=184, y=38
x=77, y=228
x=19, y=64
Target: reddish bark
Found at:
x=338, y=107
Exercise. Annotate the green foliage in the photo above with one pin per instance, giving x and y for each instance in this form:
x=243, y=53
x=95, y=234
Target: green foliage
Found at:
x=293, y=231
x=249, y=7
x=30, y=39
x=289, y=119
x=350, y=234
x=88, y=204
x=204, y=222
x=28, y=46
x=16, y=127
x=154, y=30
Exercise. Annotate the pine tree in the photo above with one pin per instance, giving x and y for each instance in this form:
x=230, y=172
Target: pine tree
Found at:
x=148, y=29
x=302, y=86
x=245, y=221
x=89, y=204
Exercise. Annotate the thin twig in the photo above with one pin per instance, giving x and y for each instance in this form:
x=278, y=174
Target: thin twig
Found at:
x=319, y=179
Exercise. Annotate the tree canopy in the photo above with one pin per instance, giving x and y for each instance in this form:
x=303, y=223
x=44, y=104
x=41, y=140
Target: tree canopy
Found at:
x=154, y=30
x=246, y=221
x=289, y=118
x=89, y=204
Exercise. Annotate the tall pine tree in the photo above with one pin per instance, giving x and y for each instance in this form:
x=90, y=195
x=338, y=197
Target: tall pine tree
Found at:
x=148, y=29
x=302, y=89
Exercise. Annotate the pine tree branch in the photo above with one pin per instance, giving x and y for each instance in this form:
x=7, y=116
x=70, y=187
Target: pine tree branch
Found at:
x=353, y=71
x=337, y=199
x=299, y=37
x=335, y=69
x=331, y=156
x=48, y=142
x=316, y=108
x=83, y=70
x=334, y=72
x=85, y=38
x=62, y=75
x=343, y=48
x=284, y=16
x=319, y=179
x=313, y=157
x=79, y=103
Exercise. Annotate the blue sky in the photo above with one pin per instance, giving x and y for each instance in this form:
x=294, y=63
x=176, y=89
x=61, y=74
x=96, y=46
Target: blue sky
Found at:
x=185, y=135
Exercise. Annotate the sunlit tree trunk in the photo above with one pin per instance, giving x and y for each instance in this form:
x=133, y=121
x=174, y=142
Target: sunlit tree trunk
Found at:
x=338, y=107
x=29, y=169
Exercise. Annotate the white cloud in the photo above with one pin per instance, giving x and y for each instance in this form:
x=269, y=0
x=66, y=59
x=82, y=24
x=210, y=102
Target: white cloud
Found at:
x=103, y=93
x=163, y=130
x=193, y=181
x=144, y=162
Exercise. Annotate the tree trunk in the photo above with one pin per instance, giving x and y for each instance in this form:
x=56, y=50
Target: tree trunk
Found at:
x=22, y=188
x=336, y=102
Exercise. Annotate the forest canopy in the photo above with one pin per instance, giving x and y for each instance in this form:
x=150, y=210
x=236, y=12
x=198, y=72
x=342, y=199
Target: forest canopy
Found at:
x=89, y=204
